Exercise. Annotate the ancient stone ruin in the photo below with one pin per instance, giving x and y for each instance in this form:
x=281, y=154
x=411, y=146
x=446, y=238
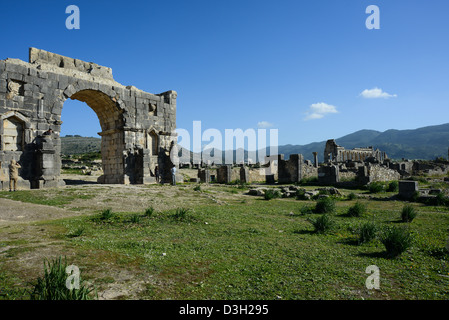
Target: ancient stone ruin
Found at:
x=137, y=127
x=336, y=153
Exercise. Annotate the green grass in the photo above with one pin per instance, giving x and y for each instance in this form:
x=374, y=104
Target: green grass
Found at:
x=258, y=250
x=53, y=284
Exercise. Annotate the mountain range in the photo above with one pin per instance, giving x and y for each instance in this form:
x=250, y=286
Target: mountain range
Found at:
x=424, y=143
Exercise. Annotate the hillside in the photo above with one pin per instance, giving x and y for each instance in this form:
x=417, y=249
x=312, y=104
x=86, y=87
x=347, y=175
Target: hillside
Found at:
x=425, y=143
x=78, y=145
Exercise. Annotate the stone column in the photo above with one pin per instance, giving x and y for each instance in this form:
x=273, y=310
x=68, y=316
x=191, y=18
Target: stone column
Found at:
x=315, y=159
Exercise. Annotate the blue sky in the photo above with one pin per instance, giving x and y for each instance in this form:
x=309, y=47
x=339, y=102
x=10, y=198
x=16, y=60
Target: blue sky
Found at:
x=297, y=66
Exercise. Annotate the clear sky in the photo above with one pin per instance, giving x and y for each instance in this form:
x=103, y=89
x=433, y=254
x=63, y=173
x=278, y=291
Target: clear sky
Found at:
x=310, y=68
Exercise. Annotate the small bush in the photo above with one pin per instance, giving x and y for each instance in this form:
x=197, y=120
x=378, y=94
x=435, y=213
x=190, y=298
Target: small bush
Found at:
x=376, y=187
x=149, y=212
x=396, y=240
x=415, y=196
x=135, y=218
x=408, y=213
x=106, y=214
x=272, y=194
x=306, y=210
x=441, y=200
x=357, y=210
x=300, y=194
x=180, y=214
x=325, y=205
x=352, y=196
x=393, y=186
x=197, y=188
x=52, y=286
x=367, y=232
x=323, y=224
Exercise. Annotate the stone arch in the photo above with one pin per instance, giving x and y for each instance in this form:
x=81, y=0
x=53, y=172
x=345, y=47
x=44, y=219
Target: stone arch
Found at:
x=38, y=89
x=110, y=116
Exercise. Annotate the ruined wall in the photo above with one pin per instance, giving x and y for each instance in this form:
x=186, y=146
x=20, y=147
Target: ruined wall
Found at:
x=294, y=169
x=137, y=127
x=347, y=175
x=336, y=153
x=376, y=172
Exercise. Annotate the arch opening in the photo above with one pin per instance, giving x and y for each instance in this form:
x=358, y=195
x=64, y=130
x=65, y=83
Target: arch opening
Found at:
x=112, y=137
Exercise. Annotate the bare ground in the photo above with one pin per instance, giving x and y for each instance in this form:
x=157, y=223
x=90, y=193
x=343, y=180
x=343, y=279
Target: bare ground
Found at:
x=26, y=237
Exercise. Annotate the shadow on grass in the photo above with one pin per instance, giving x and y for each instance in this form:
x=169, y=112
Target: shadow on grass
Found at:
x=304, y=232
x=70, y=182
x=350, y=241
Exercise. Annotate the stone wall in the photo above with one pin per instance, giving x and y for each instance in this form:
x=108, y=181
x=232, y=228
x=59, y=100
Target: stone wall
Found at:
x=137, y=127
x=377, y=172
x=294, y=169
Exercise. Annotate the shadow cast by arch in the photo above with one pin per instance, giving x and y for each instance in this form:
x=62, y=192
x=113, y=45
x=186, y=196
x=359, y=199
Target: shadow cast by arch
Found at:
x=72, y=182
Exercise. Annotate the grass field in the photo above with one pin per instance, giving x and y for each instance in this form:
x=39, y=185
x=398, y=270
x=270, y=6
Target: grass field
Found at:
x=234, y=247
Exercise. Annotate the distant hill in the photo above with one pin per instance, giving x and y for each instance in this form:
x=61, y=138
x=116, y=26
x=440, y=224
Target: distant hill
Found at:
x=78, y=145
x=425, y=143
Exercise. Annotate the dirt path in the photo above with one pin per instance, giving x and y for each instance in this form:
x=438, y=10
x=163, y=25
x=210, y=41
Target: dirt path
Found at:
x=16, y=211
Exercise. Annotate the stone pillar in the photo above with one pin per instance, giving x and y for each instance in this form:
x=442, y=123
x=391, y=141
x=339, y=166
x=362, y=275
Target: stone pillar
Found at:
x=269, y=179
x=244, y=175
x=204, y=175
x=315, y=159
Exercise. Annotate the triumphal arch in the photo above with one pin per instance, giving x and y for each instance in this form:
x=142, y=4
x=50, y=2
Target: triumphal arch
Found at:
x=137, y=128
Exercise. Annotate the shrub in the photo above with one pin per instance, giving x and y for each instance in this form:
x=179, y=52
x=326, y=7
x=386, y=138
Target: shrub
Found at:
x=180, y=214
x=306, y=210
x=367, y=232
x=415, y=196
x=352, y=196
x=396, y=240
x=408, y=213
x=393, y=186
x=300, y=194
x=323, y=224
x=325, y=205
x=135, y=218
x=357, y=210
x=376, y=187
x=441, y=200
x=52, y=286
x=106, y=214
x=197, y=188
x=272, y=194
x=149, y=212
